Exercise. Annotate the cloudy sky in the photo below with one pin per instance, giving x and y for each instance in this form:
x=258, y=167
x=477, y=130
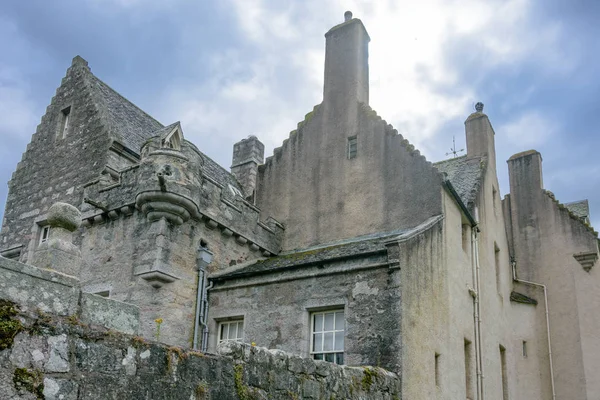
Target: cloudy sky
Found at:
x=230, y=68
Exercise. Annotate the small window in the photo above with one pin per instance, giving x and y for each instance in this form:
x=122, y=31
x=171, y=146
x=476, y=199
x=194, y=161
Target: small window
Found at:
x=469, y=381
x=498, y=271
x=504, y=373
x=45, y=234
x=231, y=331
x=437, y=369
x=524, y=349
x=352, y=147
x=64, y=125
x=327, y=336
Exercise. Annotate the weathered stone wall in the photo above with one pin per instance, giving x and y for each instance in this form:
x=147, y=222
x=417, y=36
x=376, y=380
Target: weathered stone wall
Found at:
x=321, y=195
x=551, y=246
x=49, y=357
x=276, y=307
x=47, y=291
x=54, y=168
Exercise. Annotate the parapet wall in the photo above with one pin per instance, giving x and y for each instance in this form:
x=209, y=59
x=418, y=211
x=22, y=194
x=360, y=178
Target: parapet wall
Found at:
x=55, y=357
x=38, y=290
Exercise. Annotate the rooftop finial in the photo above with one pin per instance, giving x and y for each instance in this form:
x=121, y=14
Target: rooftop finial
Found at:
x=479, y=107
x=347, y=16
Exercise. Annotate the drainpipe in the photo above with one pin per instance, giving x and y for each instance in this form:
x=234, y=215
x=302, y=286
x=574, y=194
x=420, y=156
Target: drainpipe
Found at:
x=204, y=258
x=477, y=311
x=203, y=321
x=514, y=272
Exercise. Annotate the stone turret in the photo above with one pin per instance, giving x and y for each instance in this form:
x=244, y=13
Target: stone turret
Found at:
x=58, y=252
x=248, y=154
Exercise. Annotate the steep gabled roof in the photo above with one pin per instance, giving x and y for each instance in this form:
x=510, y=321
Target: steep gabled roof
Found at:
x=465, y=175
x=131, y=127
x=127, y=123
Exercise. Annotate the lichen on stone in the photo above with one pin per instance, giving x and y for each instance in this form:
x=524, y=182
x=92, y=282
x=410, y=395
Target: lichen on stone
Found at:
x=9, y=325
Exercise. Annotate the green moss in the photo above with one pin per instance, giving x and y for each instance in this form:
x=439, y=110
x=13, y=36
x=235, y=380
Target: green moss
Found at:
x=243, y=391
x=9, y=325
x=293, y=396
x=30, y=380
x=202, y=391
x=370, y=375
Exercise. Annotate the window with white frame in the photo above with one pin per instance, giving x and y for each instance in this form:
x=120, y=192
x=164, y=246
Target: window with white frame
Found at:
x=44, y=234
x=231, y=331
x=327, y=336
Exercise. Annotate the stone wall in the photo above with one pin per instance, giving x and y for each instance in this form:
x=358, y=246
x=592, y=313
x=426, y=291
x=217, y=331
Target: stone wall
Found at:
x=276, y=307
x=52, y=357
x=54, y=168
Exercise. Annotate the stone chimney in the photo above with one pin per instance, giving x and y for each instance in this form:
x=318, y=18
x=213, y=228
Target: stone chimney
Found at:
x=248, y=154
x=480, y=136
x=525, y=172
x=58, y=252
x=346, y=64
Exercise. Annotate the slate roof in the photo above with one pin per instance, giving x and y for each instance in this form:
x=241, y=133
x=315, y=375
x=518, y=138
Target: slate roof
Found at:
x=362, y=245
x=131, y=127
x=580, y=208
x=465, y=175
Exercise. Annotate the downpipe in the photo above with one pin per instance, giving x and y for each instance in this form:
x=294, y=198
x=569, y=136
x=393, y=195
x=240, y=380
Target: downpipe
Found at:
x=200, y=295
x=477, y=311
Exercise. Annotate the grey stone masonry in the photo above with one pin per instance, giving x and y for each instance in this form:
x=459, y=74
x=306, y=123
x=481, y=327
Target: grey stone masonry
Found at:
x=248, y=154
x=60, y=358
x=58, y=252
x=68, y=149
x=47, y=291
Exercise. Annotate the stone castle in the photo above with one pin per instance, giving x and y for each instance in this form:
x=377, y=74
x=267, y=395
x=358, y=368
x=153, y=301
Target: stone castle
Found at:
x=346, y=245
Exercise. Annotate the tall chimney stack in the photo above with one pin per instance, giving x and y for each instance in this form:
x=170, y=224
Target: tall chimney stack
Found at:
x=346, y=64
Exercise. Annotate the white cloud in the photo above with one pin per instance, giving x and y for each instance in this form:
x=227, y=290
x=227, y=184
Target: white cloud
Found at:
x=17, y=110
x=408, y=65
x=529, y=130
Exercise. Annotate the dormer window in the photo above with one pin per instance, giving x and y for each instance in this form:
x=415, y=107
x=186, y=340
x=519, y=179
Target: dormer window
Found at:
x=64, y=122
x=173, y=140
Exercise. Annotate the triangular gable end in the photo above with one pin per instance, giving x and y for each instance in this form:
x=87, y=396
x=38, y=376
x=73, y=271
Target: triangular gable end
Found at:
x=172, y=138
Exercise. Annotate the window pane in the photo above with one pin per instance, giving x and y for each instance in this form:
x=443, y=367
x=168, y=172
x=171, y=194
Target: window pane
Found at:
x=339, y=321
x=329, y=321
x=318, y=322
x=240, y=334
x=339, y=358
x=329, y=357
x=339, y=341
x=224, y=331
x=328, y=341
x=318, y=356
x=233, y=330
x=318, y=342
